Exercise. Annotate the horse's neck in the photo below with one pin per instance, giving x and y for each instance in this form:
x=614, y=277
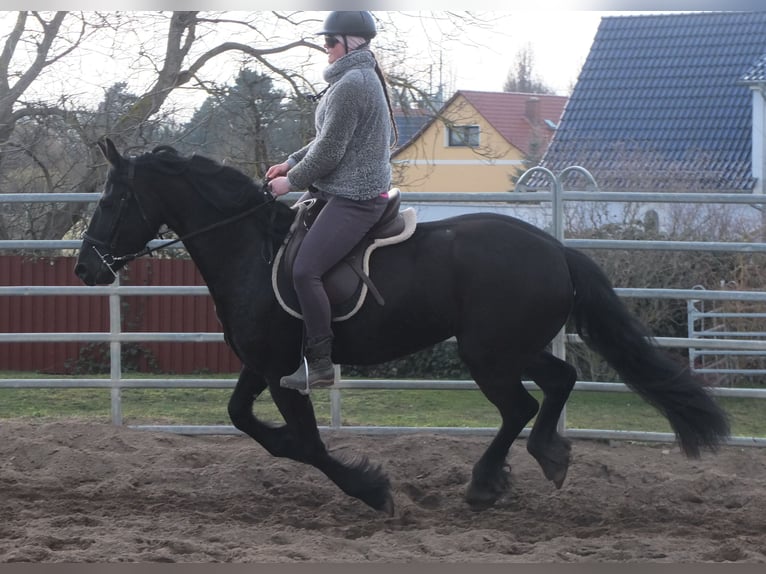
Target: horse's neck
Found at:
x=230, y=264
x=230, y=257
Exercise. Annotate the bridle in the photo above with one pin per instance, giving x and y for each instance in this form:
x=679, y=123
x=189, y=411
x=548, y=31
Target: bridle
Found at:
x=110, y=260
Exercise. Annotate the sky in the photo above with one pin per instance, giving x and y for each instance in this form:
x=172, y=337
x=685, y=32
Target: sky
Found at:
x=472, y=57
x=559, y=42
x=479, y=59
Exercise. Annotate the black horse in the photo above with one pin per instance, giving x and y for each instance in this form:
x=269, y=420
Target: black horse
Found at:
x=501, y=287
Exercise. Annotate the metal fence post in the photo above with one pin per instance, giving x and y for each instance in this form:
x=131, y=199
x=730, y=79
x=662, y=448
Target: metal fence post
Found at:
x=558, y=345
x=335, y=415
x=115, y=352
x=559, y=342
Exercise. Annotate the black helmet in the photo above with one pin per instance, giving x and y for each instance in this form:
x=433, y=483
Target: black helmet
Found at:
x=349, y=24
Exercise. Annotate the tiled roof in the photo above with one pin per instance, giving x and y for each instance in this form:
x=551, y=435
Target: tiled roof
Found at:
x=507, y=113
x=408, y=123
x=756, y=74
x=660, y=103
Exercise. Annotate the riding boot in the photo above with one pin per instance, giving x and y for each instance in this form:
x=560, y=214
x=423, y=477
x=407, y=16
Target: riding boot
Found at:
x=316, y=371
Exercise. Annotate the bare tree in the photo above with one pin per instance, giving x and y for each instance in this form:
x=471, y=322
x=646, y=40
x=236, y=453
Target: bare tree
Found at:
x=36, y=42
x=43, y=34
x=40, y=42
x=47, y=133
x=523, y=78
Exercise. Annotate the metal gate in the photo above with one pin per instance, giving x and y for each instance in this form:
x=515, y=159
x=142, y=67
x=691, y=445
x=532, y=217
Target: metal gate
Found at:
x=713, y=320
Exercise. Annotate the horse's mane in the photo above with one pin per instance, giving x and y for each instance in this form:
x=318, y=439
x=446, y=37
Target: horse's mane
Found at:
x=227, y=189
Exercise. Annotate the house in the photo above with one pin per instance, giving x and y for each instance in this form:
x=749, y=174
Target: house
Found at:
x=409, y=121
x=755, y=79
x=478, y=141
x=669, y=102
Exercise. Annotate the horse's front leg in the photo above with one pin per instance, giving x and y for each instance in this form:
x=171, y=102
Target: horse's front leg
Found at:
x=277, y=440
x=358, y=478
x=299, y=440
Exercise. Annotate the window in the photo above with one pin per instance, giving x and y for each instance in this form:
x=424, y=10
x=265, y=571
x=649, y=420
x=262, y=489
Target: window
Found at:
x=463, y=136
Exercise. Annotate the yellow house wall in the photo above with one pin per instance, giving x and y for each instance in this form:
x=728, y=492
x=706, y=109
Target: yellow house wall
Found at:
x=429, y=164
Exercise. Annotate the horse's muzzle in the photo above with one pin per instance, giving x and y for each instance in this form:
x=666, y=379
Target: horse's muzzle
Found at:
x=91, y=268
x=81, y=271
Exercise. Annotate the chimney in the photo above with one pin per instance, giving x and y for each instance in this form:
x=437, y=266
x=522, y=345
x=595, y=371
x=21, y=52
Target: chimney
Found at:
x=532, y=110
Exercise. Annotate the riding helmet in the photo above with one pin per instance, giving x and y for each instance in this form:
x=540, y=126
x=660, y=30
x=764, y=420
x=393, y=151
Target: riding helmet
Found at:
x=348, y=23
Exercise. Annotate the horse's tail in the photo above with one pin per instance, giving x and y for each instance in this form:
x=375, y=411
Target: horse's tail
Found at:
x=606, y=326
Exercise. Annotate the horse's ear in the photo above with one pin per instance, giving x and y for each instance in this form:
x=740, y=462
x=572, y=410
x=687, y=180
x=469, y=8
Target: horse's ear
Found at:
x=109, y=150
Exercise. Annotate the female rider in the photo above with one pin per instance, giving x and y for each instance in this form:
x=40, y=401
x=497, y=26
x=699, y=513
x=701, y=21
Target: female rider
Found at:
x=347, y=164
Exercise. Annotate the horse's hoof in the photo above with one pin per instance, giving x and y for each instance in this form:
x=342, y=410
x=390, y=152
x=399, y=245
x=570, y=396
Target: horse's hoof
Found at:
x=388, y=506
x=554, y=460
x=380, y=500
x=479, y=500
x=554, y=471
x=559, y=477
x=484, y=495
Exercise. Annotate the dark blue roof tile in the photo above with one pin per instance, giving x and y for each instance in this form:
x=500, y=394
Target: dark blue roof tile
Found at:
x=666, y=88
x=408, y=123
x=757, y=73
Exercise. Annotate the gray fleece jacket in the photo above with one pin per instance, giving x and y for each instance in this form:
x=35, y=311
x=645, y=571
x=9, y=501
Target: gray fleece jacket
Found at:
x=350, y=154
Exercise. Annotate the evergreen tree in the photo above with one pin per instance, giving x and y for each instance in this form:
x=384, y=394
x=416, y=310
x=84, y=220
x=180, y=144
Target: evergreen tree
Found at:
x=250, y=124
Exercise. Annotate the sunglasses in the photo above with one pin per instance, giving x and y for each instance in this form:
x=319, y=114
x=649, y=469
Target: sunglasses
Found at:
x=331, y=41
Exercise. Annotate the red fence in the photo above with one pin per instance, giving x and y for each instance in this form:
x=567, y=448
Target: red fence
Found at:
x=72, y=313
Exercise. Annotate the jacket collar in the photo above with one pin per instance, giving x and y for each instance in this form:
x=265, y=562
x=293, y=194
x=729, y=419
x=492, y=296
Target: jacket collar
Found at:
x=356, y=59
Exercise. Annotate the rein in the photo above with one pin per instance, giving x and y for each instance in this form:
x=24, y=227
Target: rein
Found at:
x=109, y=260
x=149, y=250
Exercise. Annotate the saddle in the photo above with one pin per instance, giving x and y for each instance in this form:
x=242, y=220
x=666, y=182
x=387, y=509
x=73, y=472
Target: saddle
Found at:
x=347, y=283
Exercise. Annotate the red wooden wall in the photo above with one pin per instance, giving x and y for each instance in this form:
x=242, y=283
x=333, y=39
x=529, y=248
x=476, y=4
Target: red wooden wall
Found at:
x=63, y=313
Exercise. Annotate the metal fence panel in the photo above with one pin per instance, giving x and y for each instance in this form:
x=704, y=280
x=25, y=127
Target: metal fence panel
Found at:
x=42, y=295
x=114, y=334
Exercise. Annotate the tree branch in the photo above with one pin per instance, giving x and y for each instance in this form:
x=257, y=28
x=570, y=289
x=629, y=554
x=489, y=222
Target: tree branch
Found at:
x=11, y=42
x=50, y=31
x=244, y=48
x=36, y=111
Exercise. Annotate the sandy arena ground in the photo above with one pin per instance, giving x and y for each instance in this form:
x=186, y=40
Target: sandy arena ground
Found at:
x=83, y=492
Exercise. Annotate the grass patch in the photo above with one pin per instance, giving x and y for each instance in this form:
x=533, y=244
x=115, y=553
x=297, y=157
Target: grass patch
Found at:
x=55, y=403
x=415, y=408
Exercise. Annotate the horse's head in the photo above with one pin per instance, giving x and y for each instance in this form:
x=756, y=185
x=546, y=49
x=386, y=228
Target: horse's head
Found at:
x=122, y=223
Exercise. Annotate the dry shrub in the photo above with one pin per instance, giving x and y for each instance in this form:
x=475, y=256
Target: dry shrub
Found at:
x=673, y=269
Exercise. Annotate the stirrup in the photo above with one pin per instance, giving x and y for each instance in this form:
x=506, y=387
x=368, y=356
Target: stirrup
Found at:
x=303, y=391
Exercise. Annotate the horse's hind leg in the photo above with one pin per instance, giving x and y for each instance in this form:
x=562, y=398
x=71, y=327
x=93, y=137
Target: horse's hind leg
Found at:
x=556, y=378
x=490, y=480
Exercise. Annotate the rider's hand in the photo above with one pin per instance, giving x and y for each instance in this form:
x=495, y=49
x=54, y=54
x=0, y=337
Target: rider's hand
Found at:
x=280, y=186
x=277, y=170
